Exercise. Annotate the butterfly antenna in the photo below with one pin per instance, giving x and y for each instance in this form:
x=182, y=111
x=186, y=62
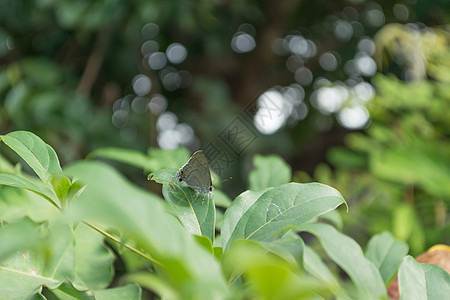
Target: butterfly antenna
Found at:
x=227, y=179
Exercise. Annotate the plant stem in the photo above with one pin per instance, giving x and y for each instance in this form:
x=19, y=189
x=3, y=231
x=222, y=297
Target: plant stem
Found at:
x=113, y=238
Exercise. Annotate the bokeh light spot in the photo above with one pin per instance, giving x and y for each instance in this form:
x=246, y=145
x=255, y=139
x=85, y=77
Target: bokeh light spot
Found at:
x=176, y=53
x=294, y=62
x=158, y=104
x=242, y=42
x=365, y=65
x=167, y=120
x=375, y=17
x=401, y=12
x=270, y=115
x=304, y=76
x=149, y=47
x=329, y=99
x=343, y=31
x=367, y=46
x=328, y=61
x=141, y=84
x=354, y=117
x=139, y=104
x=157, y=60
x=120, y=118
x=149, y=31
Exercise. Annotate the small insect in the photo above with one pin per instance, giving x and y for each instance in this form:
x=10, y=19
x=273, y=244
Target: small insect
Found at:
x=197, y=174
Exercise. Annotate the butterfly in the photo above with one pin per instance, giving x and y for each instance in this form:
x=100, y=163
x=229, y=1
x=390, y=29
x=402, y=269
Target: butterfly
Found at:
x=197, y=174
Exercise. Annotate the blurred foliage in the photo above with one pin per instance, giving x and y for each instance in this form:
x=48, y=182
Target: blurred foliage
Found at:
x=66, y=67
x=395, y=174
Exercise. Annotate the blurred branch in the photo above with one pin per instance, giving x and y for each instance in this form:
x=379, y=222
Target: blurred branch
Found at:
x=94, y=62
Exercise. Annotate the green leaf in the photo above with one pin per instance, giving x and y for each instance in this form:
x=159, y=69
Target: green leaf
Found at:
x=386, y=253
x=267, y=276
x=290, y=247
x=270, y=171
x=284, y=207
x=131, y=292
x=112, y=202
x=127, y=156
x=345, y=252
x=61, y=185
x=334, y=218
x=37, y=154
x=17, y=236
x=168, y=159
x=91, y=254
x=153, y=283
x=204, y=242
x=66, y=290
x=422, y=281
x=5, y=165
x=156, y=159
x=194, y=210
x=316, y=267
x=234, y=213
x=16, y=181
x=221, y=199
x=25, y=272
x=403, y=221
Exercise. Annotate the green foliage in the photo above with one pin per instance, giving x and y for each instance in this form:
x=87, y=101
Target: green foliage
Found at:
x=258, y=254
x=422, y=281
x=269, y=171
x=386, y=253
x=396, y=173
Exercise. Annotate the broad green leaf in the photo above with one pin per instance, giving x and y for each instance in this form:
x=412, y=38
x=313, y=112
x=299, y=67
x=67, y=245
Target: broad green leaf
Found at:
x=386, y=253
x=128, y=156
x=17, y=203
x=17, y=236
x=422, y=281
x=290, y=247
x=234, y=213
x=221, y=199
x=270, y=171
x=168, y=159
x=284, y=207
x=267, y=276
x=194, y=210
x=316, y=267
x=153, y=283
x=204, y=242
x=92, y=254
x=5, y=165
x=129, y=292
x=24, y=273
x=333, y=217
x=61, y=185
x=66, y=290
x=113, y=203
x=16, y=181
x=37, y=154
x=345, y=252
x=155, y=159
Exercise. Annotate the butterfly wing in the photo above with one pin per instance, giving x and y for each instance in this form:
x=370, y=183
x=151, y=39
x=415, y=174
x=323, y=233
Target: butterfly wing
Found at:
x=196, y=172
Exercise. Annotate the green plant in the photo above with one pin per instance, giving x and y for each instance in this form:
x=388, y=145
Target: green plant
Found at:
x=173, y=250
x=395, y=173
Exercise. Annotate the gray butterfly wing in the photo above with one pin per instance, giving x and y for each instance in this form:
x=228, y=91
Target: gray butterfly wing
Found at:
x=196, y=173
